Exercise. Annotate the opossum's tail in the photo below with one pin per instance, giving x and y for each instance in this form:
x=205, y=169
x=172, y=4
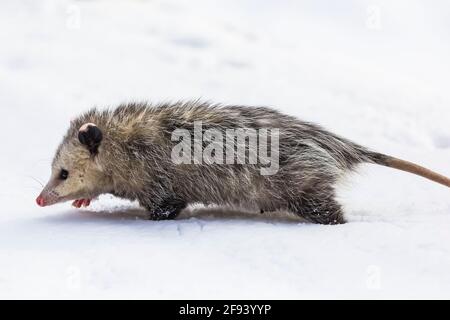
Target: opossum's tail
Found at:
x=407, y=166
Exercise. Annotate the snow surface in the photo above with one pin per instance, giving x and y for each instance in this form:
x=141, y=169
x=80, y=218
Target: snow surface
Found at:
x=374, y=71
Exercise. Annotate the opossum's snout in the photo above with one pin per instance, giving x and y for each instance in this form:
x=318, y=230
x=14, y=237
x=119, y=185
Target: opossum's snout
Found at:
x=44, y=200
x=49, y=195
x=40, y=200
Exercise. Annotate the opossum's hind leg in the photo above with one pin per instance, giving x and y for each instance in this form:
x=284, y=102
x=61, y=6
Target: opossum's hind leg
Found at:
x=318, y=209
x=167, y=210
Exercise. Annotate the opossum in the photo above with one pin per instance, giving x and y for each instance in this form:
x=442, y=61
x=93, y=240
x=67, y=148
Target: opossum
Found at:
x=128, y=152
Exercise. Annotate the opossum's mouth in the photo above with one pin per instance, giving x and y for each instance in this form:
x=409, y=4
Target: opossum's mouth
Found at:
x=46, y=199
x=43, y=201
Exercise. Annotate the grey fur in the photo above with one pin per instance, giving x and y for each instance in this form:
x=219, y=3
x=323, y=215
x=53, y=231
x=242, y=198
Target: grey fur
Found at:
x=134, y=161
x=127, y=152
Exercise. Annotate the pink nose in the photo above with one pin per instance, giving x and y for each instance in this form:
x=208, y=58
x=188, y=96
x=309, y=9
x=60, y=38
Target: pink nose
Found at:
x=40, y=201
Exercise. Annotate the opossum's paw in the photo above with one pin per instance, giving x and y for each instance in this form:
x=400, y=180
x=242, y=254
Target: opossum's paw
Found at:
x=169, y=210
x=163, y=215
x=81, y=203
x=321, y=212
x=325, y=216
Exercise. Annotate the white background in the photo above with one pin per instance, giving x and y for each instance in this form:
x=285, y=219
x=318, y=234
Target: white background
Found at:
x=377, y=72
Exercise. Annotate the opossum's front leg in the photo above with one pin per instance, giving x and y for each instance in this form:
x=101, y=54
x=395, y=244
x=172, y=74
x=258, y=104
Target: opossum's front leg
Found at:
x=166, y=210
x=78, y=203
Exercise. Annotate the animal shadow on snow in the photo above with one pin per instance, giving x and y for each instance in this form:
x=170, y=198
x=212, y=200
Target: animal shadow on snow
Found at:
x=203, y=213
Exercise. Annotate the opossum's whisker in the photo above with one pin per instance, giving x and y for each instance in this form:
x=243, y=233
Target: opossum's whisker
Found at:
x=35, y=179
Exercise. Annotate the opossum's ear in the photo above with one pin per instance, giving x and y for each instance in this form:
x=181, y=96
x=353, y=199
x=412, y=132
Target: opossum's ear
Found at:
x=91, y=136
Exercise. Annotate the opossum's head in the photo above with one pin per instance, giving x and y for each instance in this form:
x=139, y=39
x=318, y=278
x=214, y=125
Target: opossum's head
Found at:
x=76, y=171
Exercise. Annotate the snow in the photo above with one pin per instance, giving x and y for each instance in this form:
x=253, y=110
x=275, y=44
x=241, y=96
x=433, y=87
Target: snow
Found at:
x=374, y=71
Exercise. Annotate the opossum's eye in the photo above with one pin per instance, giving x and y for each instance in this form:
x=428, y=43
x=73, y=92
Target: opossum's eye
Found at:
x=91, y=136
x=63, y=174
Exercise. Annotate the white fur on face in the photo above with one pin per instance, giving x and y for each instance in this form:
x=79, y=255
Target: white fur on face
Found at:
x=85, y=126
